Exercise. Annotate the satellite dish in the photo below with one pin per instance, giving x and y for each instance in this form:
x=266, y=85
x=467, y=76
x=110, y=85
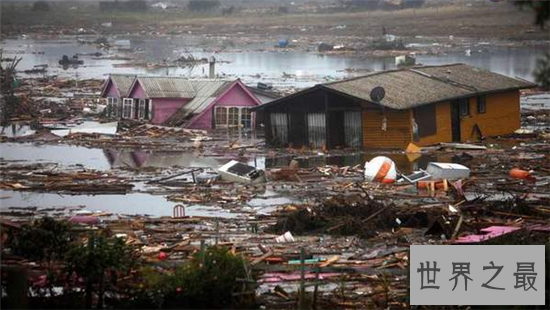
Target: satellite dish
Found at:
x=377, y=94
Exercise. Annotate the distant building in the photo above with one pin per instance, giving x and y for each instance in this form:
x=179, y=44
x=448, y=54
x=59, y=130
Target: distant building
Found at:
x=175, y=101
x=424, y=105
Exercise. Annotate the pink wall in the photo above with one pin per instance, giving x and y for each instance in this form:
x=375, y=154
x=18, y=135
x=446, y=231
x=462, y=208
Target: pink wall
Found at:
x=137, y=91
x=235, y=96
x=110, y=91
x=163, y=108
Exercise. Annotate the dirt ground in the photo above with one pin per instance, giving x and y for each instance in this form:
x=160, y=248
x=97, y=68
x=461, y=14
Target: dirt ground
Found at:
x=501, y=20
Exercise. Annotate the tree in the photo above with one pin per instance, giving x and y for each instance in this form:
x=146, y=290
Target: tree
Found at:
x=208, y=281
x=542, y=14
x=46, y=241
x=203, y=5
x=100, y=262
x=9, y=103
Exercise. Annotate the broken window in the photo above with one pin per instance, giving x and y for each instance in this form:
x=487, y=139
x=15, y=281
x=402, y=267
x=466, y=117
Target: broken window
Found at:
x=127, y=108
x=464, y=106
x=425, y=119
x=481, y=104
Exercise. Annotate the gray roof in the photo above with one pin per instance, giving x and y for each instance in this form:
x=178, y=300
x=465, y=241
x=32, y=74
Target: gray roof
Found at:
x=122, y=82
x=206, y=92
x=412, y=87
x=167, y=87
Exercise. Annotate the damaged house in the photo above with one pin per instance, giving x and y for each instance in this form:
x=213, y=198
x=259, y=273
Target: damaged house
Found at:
x=424, y=105
x=175, y=101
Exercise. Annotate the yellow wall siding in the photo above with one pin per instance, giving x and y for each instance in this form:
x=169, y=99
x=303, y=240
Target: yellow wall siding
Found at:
x=443, y=125
x=502, y=116
x=398, y=129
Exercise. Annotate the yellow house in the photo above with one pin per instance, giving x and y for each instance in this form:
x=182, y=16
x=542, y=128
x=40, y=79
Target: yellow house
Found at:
x=424, y=105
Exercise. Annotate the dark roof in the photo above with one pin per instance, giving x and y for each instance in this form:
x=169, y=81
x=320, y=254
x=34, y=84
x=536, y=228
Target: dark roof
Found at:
x=412, y=87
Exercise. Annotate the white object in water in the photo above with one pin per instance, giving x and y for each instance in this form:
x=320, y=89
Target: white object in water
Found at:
x=286, y=237
x=235, y=171
x=440, y=171
x=380, y=169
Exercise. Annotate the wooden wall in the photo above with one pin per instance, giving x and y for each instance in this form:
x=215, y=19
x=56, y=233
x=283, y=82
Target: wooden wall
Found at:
x=443, y=125
x=398, y=131
x=502, y=116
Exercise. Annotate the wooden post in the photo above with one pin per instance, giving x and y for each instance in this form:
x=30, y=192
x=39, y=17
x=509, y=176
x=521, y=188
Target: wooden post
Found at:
x=316, y=288
x=301, y=300
x=327, y=130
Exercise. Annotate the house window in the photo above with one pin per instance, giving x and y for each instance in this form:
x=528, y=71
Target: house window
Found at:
x=232, y=117
x=464, y=106
x=112, y=106
x=127, y=108
x=481, y=104
x=221, y=116
x=142, y=109
x=246, y=118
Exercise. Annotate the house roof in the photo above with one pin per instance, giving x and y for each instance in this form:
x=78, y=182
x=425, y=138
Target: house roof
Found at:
x=207, y=91
x=166, y=87
x=412, y=87
x=122, y=82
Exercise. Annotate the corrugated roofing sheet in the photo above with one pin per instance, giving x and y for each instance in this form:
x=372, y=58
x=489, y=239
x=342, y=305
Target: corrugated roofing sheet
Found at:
x=167, y=87
x=122, y=82
x=206, y=92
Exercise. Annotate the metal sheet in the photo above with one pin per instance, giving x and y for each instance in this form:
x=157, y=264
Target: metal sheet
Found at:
x=316, y=123
x=352, y=128
x=279, y=127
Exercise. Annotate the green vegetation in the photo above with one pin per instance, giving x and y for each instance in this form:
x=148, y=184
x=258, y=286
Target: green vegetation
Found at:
x=101, y=262
x=100, y=270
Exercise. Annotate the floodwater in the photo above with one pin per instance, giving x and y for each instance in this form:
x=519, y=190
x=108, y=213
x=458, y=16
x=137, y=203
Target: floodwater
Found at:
x=133, y=203
x=304, y=68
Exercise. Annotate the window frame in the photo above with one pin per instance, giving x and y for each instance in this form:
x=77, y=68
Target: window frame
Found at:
x=112, y=104
x=127, y=105
x=233, y=116
x=482, y=104
x=464, y=107
x=142, y=108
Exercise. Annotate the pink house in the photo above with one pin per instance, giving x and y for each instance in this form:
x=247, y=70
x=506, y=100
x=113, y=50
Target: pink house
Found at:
x=174, y=101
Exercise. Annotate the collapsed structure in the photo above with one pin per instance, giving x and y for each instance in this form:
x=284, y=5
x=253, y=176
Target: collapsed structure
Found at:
x=424, y=105
x=176, y=101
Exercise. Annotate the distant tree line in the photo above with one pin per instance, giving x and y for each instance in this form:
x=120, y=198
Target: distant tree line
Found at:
x=383, y=4
x=203, y=5
x=41, y=6
x=132, y=6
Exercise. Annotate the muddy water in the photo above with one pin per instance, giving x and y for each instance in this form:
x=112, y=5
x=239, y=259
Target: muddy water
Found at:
x=254, y=66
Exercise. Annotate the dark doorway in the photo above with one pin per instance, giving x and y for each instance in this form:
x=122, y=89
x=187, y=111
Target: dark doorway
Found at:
x=455, y=120
x=335, y=128
x=298, y=129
